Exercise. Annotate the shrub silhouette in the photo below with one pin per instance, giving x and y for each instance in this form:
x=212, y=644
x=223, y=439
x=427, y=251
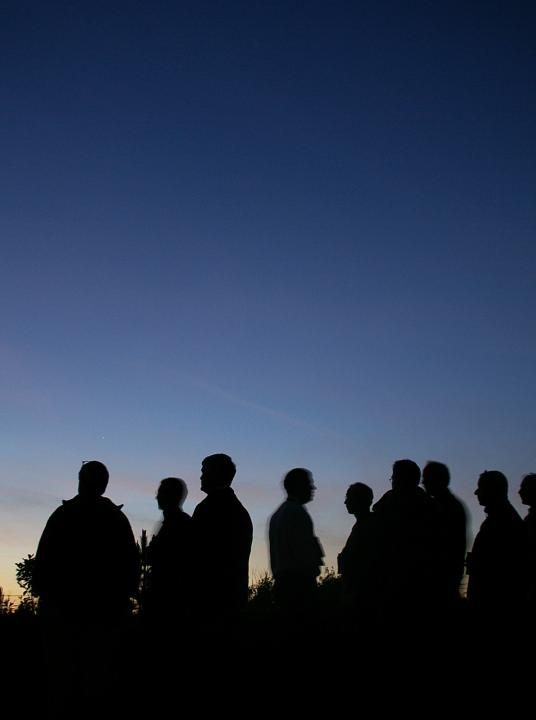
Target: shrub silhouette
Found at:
x=6, y=605
x=25, y=575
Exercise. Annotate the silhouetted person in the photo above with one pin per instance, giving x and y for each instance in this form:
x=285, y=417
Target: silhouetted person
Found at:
x=497, y=564
x=170, y=557
x=167, y=605
x=357, y=560
x=405, y=546
x=223, y=534
x=451, y=523
x=295, y=552
x=527, y=493
x=86, y=569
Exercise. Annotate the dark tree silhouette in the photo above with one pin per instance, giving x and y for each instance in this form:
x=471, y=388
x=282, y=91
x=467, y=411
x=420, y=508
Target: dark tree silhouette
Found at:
x=25, y=575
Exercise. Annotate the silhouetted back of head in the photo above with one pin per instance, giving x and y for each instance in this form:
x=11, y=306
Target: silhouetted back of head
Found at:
x=217, y=471
x=435, y=477
x=171, y=493
x=299, y=485
x=527, y=491
x=92, y=479
x=406, y=476
x=492, y=488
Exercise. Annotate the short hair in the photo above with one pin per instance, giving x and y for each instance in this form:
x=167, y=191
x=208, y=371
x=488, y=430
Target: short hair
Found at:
x=530, y=479
x=174, y=488
x=436, y=471
x=225, y=466
x=93, y=477
x=495, y=481
x=361, y=491
x=406, y=473
x=296, y=479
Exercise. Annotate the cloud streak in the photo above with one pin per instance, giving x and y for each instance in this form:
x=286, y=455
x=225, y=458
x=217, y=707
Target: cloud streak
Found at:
x=235, y=399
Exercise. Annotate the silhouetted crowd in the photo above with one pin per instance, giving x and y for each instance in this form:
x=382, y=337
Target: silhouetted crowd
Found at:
x=402, y=569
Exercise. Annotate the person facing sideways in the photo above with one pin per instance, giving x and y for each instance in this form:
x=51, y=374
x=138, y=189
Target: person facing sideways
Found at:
x=86, y=570
x=296, y=554
x=223, y=533
x=497, y=564
x=451, y=519
x=356, y=561
x=169, y=555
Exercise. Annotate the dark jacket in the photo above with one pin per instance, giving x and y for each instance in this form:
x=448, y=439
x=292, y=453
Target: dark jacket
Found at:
x=223, y=533
x=170, y=557
x=498, y=563
x=87, y=560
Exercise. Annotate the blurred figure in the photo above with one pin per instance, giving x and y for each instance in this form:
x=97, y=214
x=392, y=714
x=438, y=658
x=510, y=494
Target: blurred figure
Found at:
x=170, y=557
x=295, y=552
x=357, y=560
x=451, y=521
x=223, y=533
x=86, y=570
x=167, y=604
x=497, y=564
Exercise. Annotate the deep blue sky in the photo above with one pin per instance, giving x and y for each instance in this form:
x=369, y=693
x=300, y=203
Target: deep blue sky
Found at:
x=302, y=233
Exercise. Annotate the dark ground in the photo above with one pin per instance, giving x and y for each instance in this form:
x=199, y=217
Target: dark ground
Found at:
x=263, y=664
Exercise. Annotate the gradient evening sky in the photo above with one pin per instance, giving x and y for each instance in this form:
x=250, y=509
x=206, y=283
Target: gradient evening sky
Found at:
x=302, y=233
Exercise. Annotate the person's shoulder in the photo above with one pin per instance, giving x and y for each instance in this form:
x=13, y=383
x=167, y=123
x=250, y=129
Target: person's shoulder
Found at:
x=242, y=511
x=239, y=502
x=279, y=512
x=111, y=515
x=108, y=507
x=202, y=507
x=183, y=520
x=454, y=500
x=230, y=497
x=290, y=509
x=61, y=510
x=384, y=503
x=509, y=515
x=66, y=508
x=285, y=507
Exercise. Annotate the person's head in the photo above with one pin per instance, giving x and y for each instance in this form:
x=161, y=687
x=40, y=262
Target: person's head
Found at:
x=492, y=488
x=299, y=485
x=92, y=479
x=435, y=478
x=527, y=490
x=217, y=472
x=358, y=499
x=406, y=476
x=171, y=493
